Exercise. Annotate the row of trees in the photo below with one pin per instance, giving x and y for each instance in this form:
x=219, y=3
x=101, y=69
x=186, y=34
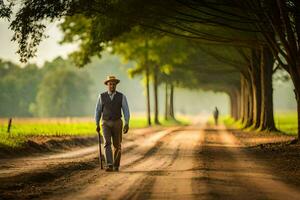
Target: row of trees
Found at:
x=242, y=42
x=53, y=90
x=154, y=57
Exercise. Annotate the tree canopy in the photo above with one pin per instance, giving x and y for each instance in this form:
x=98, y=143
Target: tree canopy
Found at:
x=233, y=43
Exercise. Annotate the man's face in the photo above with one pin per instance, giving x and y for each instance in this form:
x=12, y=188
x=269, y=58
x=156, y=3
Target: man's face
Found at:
x=111, y=85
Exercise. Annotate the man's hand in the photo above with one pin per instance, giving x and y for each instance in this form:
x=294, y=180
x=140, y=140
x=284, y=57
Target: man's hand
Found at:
x=98, y=129
x=126, y=128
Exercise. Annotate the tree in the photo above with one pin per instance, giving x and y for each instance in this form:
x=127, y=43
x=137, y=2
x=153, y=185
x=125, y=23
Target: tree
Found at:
x=62, y=93
x=253, y=24
x=18, y=88
x=5, y=10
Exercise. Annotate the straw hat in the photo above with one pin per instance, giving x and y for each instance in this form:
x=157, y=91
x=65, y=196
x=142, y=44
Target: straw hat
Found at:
x=111, y=78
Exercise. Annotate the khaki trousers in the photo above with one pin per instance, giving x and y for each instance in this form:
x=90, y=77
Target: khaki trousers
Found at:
x=112, y=131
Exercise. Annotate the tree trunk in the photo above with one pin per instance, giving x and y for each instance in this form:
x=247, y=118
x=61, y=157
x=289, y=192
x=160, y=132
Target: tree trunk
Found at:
x=295, y=75
x=147, y=85
x=166, y=102
x=267, y=114
x=238, y=96
x=256, y=88
x=171, y=109
x=148, y=97
x=155, y=87
x=297, y=92
x=233, y=104
x=246, y=103
x=236, y=103
x=297, y=80
x=242, y=100
x=256, y=95
x=249, y=104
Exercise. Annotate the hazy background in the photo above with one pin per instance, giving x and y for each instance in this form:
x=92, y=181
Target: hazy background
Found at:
x=186, y=102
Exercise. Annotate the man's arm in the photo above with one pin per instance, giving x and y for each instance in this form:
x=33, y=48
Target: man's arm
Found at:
x=125, y=110
x=98, y=110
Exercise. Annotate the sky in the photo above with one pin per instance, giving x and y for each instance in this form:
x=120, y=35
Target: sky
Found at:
x=47, y=50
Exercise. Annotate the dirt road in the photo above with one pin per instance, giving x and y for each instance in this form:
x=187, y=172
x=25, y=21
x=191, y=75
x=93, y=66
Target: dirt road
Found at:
x=179, y=163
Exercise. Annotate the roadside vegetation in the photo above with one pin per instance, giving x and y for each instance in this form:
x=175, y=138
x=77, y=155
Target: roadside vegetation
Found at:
x=23, y=129
x=286, y=122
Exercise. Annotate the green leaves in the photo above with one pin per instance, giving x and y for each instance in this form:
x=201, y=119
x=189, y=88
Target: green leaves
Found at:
x=5, y=10
x=60, y=92
x=29, y=24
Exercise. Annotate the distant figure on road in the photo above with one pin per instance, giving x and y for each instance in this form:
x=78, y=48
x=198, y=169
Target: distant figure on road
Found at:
x=109, y=105
x=216, y=115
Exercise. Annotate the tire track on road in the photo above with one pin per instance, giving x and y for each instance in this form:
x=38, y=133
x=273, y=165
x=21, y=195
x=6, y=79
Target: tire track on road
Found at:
x=39, y=180
x=131, y=176
x=260, y=176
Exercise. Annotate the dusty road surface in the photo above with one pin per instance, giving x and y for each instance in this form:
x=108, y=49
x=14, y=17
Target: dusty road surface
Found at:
x=193, y=162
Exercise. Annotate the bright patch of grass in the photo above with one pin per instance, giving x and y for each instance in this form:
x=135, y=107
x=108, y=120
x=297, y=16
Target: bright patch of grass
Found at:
x=287, y=122
x=180, y=120
x=22, y=129
x=227, y=120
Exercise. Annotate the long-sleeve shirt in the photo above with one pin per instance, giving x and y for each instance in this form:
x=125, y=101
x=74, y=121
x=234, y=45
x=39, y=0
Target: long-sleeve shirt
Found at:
x=125, y=108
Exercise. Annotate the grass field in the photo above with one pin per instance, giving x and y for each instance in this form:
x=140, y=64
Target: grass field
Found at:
x=285, y=122
x=24, y=128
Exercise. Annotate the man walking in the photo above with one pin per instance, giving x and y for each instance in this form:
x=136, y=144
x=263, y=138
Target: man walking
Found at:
x=216, y=115
x=109, y=106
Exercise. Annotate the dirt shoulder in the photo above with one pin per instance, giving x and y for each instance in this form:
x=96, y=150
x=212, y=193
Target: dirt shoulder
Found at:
x=34, y=177
x=210, y=163
x=40, y=145
x=278, y=151
x=37, y=145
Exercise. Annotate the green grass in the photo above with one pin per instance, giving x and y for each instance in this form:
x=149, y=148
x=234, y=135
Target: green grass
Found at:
x=226, y=120
x=22, y=129
x=285, y=122
x=179, y=121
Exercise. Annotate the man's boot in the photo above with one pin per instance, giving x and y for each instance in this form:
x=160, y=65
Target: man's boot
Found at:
x=116, y=169
x=109, y=168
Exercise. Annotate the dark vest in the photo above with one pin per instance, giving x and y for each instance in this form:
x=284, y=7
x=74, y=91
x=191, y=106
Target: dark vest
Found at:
x=111, y=109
